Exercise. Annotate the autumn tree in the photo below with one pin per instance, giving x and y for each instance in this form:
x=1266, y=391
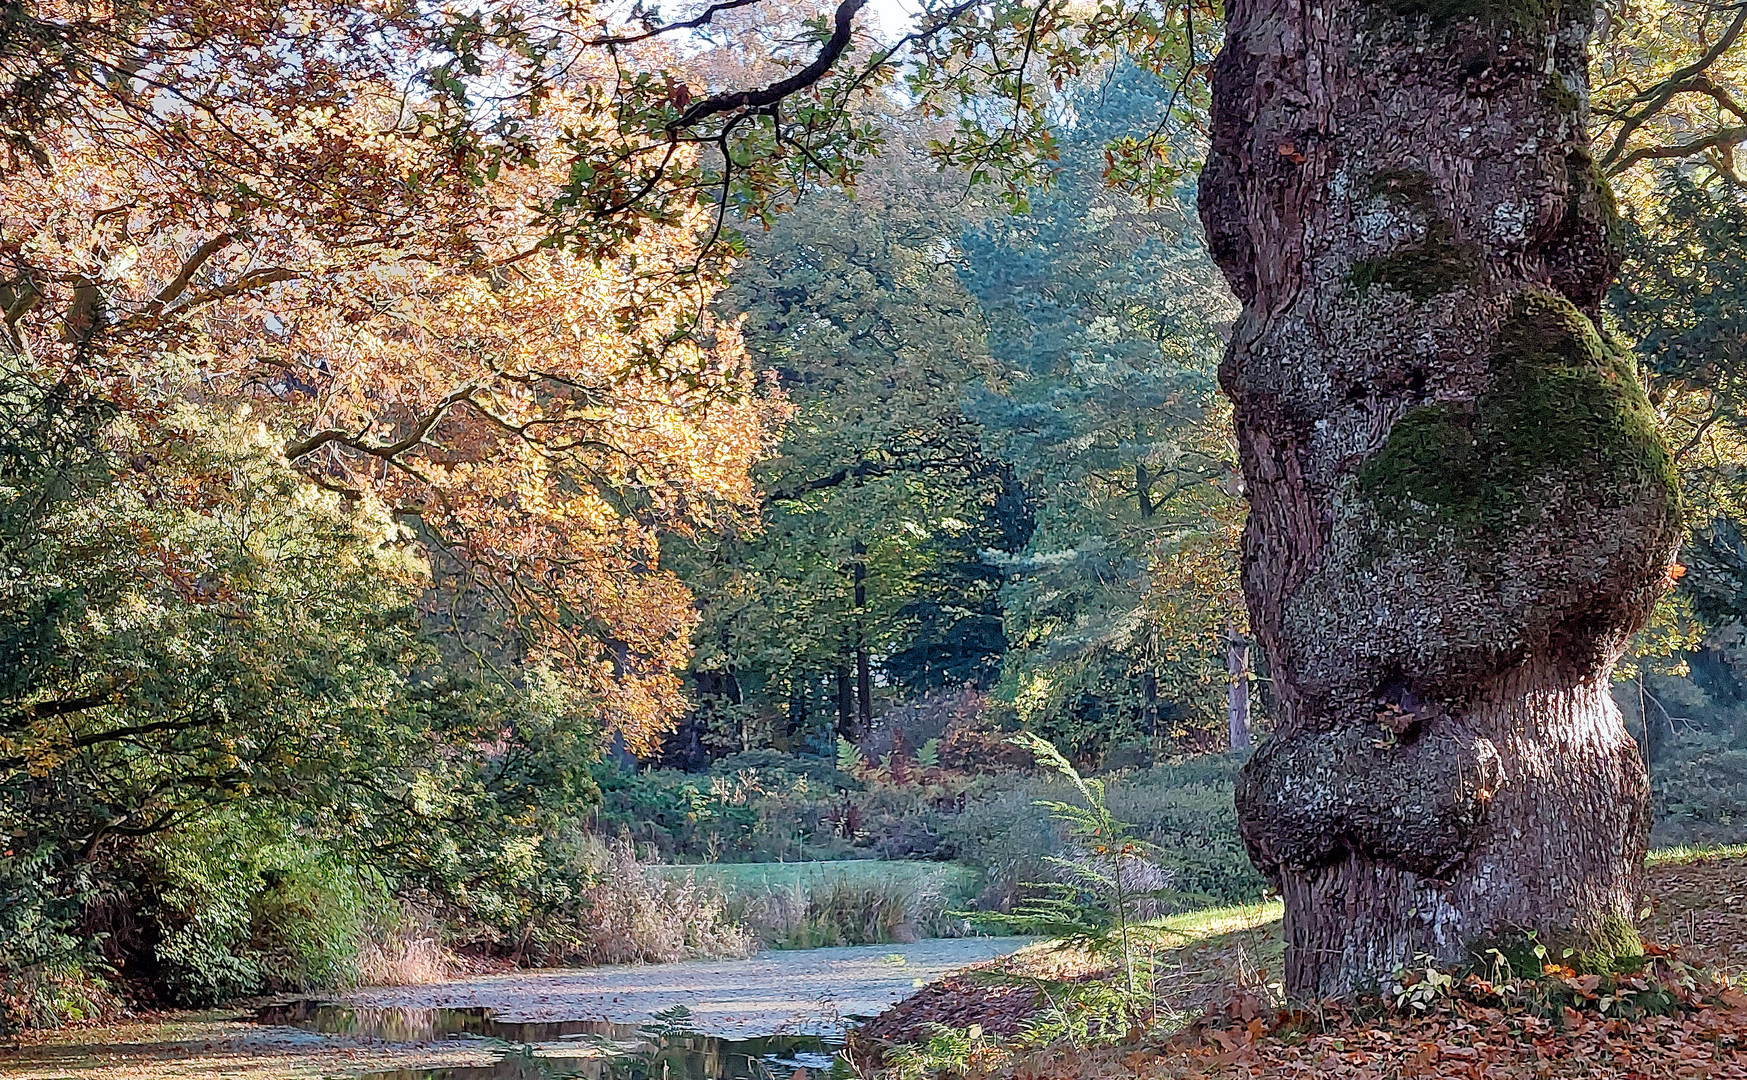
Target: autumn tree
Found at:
x=337, y=463
x=545, y=417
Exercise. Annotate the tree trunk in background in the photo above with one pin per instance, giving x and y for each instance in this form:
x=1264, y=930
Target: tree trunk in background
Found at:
x=845, y=706
x=863, y=681
x=863, y=691
x=799, y=720
x=1459, y=507
x=1237, y=670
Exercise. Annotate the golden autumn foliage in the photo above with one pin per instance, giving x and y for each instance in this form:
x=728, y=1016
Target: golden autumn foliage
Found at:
x=410, y=334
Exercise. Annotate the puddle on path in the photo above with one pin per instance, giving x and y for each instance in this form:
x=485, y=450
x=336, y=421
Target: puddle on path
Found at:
x=584, y=1049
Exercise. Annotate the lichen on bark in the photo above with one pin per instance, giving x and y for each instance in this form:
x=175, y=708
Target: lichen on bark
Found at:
x=1523, y=16
x=1415, y=802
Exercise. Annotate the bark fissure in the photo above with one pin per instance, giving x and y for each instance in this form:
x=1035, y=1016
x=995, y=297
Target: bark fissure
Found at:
x=1460, y=509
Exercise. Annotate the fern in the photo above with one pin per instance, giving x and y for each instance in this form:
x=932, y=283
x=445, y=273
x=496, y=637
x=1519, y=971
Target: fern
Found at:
x=849, y=758
x=1093, y=904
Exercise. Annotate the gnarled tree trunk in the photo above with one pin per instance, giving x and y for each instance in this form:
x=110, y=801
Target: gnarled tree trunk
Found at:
x=1460, y=508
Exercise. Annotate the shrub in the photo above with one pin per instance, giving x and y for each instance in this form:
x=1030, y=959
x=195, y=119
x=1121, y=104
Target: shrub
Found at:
x=1699, y=789
x=45, y=976
x=760, y=806
x=243, y=906
x=43, y=995
x=1184, y=811
x=405, y=946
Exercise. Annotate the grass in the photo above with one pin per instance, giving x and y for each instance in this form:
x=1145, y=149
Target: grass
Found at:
x=948, y=879
x=1684, y=853
x=1204, y=954
x=1194, y=926
x=805, y=905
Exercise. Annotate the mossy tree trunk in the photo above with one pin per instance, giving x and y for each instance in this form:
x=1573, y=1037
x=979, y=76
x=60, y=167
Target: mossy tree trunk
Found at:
x=1460, y=509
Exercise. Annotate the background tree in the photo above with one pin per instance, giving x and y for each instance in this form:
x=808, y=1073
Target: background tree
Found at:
x=1104, y=315
x=507, y=408
x=880, y=499
x=1676, y=298
x=1668, y=88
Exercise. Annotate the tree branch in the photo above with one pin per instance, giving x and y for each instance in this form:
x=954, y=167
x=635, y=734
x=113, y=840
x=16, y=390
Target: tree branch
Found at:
x=63, y=707
x=387, y=451
x=834, y=47
x=1721, y=137
x=179, y=283
x=694, y=23
x=1657, y=97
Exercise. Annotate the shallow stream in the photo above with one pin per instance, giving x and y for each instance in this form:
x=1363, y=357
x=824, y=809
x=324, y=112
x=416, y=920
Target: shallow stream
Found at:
x=666, y=1048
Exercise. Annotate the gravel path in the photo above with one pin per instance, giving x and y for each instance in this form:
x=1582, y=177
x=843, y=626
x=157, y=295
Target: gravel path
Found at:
x=809, y=991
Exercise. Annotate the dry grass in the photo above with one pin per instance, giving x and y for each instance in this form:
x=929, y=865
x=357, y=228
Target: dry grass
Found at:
x=637, y=915
x=822, y=914
x=850, y=902
x=408, y=951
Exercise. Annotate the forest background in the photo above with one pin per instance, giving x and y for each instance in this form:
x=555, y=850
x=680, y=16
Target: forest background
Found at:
x=388, y=583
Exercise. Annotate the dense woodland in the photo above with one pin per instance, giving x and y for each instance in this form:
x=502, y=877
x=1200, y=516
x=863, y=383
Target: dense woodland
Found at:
x=454, y=460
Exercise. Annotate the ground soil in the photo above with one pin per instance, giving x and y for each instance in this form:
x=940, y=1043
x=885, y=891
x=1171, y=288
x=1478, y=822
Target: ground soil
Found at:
x=1697, y=908
x=1701, y=906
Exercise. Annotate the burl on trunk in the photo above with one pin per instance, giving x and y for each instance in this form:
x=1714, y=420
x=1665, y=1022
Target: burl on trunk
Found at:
x=1459, y=506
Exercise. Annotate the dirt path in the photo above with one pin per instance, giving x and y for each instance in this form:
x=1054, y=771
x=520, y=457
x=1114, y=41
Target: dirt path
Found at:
x=773, y=993
x=807, y=991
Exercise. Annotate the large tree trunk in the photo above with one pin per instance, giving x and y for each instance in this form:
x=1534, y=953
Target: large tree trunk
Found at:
x=1459, y=506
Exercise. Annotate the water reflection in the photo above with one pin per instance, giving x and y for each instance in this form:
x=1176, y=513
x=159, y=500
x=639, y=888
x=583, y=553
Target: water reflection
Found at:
x=431, y=1025
x=664, y=1049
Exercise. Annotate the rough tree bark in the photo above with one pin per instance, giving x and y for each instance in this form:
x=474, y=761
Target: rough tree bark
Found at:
x=1460, y=508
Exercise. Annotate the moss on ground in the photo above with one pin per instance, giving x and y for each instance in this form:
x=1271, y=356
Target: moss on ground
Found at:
x=1564, y=401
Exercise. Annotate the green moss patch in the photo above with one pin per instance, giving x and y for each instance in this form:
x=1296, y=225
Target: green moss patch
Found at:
x=1564, y=401
x=1555, y=93
x=1440, y=264
x=1613, y=946
x=1526, y=16
x=1407, y=186
x=1582, y=177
